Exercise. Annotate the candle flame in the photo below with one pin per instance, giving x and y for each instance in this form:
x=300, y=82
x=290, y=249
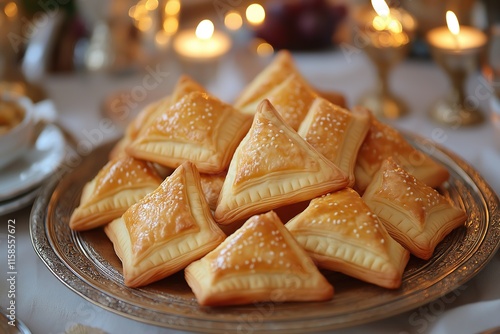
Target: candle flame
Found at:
x=255, y=14
x=233, y=20
x=452, y=22
x=205, y=30
x=381, y=7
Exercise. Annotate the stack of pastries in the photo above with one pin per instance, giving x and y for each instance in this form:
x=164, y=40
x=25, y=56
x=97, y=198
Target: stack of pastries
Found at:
x=206, y=186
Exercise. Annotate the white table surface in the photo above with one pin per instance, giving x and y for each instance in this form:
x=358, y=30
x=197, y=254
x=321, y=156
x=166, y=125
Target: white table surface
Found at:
x=47, y=306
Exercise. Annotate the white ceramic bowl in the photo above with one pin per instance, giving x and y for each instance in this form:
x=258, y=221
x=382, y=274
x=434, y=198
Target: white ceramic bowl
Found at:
x=16, y=142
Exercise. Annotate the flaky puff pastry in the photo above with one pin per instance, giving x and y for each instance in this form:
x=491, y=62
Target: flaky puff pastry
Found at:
x=340, y=233
x=147, y=116
x=166, y=230
x=336, y=133
x=292, y=98
x=272, y=76
x=383, y=141
x=414, y=214
x=198, y=128
x=259, y=262
x=282, y=68
x=119, y=184
x=273, y=166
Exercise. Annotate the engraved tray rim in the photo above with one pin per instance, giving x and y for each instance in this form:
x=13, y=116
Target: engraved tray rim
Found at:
x=293, y=318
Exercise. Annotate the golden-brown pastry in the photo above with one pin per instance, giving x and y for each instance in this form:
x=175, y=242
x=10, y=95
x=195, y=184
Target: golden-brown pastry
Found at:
x=166, y=230
x=340, y=233
x=416, y=215
x=336, y=133
x=198, y=128
x=282, y=84
x=211, y=185
x=273, y=75
x=273, y=166
x=146, y=117
x=292, y=99
x=119, y=184
x=260, y=262
x=383, y=141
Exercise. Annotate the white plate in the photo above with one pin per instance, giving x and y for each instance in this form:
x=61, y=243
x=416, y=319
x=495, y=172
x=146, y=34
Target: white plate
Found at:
x=18, y=202
x=35, y=166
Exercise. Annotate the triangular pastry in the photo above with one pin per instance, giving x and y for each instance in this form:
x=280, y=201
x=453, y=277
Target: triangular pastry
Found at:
x=166, y=230
x=336, y=133
x=340, y=233
x=383, y=141
x=414, y=214
x=273, y=75
x=292, y=99
x=198, y=128
x=259, y=262
x=119, y=184
x=273, y=166
x=146, y=116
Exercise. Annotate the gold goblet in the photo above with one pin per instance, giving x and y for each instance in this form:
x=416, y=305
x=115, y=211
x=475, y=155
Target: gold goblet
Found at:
x=388, y=36
x=453, y=109
x=456, y=50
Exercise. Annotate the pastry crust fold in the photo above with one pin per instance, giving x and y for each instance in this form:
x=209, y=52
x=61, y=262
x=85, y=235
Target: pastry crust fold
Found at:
x=340, y=233
x=261, y=261
x=383, y=141
x=273, y=166
x=198, y=128
x=414, y=214
x=336, y=133
x=120, y=183
x=166, y=230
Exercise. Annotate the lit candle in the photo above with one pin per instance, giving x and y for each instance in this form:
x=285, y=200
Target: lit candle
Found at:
x=455, y=37
x=202, y=44
x=386, y=28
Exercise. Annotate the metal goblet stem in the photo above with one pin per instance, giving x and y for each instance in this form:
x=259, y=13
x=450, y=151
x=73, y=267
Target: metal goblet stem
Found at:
x=382, y=102
x=453, y=109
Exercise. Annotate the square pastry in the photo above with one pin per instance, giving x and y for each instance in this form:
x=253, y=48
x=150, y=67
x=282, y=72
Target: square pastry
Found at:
x=340, y=233
x=259, y=262
x=416, y=215
x=166, y=230
x=336, y=133
x=120, y=183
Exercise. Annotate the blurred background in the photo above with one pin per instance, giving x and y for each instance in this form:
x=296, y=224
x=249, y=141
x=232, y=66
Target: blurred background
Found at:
x=50, y=37
x=80, y=35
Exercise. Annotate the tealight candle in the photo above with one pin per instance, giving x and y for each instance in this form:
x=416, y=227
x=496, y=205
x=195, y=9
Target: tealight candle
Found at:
x=456, y=49
x=203, y=43
x=455, y=37
x=200, y=49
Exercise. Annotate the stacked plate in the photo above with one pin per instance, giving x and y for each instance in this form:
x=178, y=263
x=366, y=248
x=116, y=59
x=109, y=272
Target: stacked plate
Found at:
x=21, y=180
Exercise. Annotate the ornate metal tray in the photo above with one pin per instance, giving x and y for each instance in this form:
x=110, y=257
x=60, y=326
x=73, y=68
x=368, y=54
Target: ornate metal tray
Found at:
x=86, y=263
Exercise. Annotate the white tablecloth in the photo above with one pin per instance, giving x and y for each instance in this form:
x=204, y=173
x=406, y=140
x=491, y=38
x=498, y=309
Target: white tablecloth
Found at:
x=47, y=306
